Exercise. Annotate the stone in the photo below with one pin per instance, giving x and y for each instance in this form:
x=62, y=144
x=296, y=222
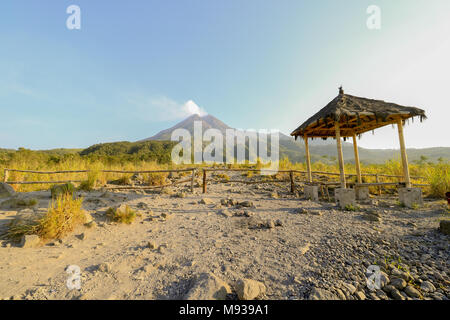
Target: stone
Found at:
x=247, y=204
x=340, y=294
x=305, y=248
x=396, y=295
x=321, y=294
x=91, y=224
x=270, y=224
x=349, y=287
x=104, y=267
x=82, y=236
x=274, y=195
x=225, y=213
x=444, y=227
x=410, y=197
x=278, y=223
x=428, y=287
x=208, y=287
x=412, y=292
x=88, y=218
x=360, y=295
x=345, y=197
x=362, y=193
x=248, y=289
x=6, y=190
x=30, y=241
x=312, y=193
x=206, y=201
x=398, y=283
x=151, y=245
x=301, y=211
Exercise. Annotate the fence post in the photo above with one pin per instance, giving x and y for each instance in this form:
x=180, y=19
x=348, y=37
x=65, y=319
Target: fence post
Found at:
x=379, y=187
x=291, y=176
x=192, y=180
x=5, y=177
x=204, y=181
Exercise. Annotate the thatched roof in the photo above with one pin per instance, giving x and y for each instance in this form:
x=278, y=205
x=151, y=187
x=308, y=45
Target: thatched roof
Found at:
x=355, y=115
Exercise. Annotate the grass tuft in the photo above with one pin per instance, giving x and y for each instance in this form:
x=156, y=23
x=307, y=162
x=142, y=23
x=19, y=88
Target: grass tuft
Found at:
x=121, y=215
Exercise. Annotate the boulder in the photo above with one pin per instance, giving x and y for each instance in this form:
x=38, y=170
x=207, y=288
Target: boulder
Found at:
x=412, y=292
x=208, y=287
x=6, y=190
x=398, y=283
x=322, y=294
x=248, y=289
x=427, y=286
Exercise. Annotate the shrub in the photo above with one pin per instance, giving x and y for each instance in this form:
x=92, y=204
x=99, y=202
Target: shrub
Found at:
x=62, y=189
x=91, y=182
x=27, y=202
x=223, y=176
x=123, y=214
x=157, y=178
x=64, y=214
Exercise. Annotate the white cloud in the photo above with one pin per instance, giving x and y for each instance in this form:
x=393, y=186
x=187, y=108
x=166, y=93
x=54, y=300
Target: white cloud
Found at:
x=164, y=109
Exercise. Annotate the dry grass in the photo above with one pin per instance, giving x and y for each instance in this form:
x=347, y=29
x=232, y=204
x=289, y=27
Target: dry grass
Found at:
x=125, y=215
x=64, y=214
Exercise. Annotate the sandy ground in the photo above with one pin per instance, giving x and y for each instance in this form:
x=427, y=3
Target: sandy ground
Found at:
x=319, y=247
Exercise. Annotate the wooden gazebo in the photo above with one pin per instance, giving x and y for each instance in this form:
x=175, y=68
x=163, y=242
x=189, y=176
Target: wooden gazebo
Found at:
x=350, y=116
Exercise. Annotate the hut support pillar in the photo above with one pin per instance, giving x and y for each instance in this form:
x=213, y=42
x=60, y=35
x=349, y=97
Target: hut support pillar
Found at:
x=357, y=164
x=340, y=155
x=403, y=153
x=308, y=159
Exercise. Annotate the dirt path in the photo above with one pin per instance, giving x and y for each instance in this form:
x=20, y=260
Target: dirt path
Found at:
x=321, y=248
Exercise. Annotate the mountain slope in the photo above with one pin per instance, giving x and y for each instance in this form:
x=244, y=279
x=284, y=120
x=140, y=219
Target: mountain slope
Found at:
x=324, y=151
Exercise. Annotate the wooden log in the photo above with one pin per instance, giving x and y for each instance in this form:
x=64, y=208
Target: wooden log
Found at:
x=148, y=187
x=42, y=182
x=378, y=180
x=403, y=153
x=340, y=155
x=6, y=175
x=308, y=159
x=192, y=180
x=357, y=164
x=204, y=181
x=291, y=176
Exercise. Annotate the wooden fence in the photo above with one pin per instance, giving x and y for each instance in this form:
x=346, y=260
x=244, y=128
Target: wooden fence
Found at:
x=291, y=179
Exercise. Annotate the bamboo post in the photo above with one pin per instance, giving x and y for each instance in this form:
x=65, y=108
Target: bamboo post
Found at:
x=308, y=159
x=6, y=175
x=291, y=176
x=377, y=179
x=340, y=155
x=204, y=181
x=357, y=164
x=192, y=180
x=403, y=153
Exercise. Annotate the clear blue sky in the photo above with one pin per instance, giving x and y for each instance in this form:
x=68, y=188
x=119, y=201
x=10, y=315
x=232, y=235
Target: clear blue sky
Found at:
x=253, y=64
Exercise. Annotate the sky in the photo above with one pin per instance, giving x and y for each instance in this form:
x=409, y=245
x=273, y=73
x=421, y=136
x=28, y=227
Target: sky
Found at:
x=137, y=67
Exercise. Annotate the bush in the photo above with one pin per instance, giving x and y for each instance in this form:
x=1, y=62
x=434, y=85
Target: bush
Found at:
x=123, y=214
x=62, y=217
x=62, y=189
x=157, y=179
x=91, y=182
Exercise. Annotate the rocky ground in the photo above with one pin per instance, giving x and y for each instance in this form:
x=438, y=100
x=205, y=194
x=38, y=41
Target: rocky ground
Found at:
x=237, y=241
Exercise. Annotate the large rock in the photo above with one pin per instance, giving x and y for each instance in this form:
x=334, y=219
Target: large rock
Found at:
x=322, y=294
x=6, y=190
x=30, y=241
x=208, y=287
x=412, y=292
x=248, y=289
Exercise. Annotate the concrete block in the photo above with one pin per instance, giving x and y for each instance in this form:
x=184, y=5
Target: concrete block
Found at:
x=345, y=197
x=410, y=197
x=362, y=193
x=312, y=193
